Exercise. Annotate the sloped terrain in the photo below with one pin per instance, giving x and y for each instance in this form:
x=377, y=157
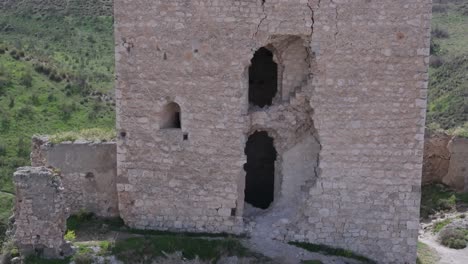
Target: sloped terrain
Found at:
x=56, y=74
x=448, y=87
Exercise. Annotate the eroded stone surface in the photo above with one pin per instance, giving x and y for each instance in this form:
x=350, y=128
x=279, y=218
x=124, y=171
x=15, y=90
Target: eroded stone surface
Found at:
x=40, y=213
x=445, y=161
x=88, y=171
x=352, y=74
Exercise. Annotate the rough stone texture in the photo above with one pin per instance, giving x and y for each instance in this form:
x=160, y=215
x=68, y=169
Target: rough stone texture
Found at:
x=436, y=157
x=457, y=175
x=352, y=76
x=88, y=171
x=445, y=161
x=40, y=213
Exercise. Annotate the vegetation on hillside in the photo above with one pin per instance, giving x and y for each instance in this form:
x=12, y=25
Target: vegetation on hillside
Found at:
x=439, y=198
x=448, y=85
x=56, y=74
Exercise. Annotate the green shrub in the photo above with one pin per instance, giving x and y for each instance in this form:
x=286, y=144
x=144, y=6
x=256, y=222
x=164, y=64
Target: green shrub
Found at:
x=26, y=79
x=3, y=149
x=70, y=236
x=24, y=147
x=461, y=131
x=439, y=33
x=26, y=111
x=438, y=197
x=67, y=109
x=456, y=238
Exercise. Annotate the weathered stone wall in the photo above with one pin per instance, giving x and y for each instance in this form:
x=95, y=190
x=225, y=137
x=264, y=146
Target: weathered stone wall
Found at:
x=436, y=157
x=445, y=161
x=359, y=92
x=457, y=175
x=88, y=171
x=40, y=213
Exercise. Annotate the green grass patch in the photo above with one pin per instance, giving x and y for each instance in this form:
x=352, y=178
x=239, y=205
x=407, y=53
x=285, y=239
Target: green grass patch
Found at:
x=150, y=247
x=38, y=260
x=426, y=255
x=91, y=134
x=448, y=81
x=328, y=250
x=85, y=220
x=6, y=206
x=461, y=131
x=441, y=224
x=88, y=221
x=437, y=197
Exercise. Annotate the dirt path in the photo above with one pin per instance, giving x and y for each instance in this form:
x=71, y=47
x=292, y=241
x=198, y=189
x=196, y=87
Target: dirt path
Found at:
x=447, y=255
x=261, y=242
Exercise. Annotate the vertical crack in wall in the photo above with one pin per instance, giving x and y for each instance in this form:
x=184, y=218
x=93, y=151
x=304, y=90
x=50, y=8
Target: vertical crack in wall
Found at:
x=316, y=168
x=336, y=20
x=261, y=20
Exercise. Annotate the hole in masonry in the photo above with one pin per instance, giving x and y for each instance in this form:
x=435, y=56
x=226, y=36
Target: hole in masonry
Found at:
x=263, y=78
x=260, y=169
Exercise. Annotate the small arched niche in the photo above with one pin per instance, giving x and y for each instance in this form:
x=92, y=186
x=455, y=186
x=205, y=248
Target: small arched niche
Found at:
x=170, y=116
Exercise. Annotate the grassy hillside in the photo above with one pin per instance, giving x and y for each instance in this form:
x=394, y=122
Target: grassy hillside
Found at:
x=448, y=87
x=56, y=74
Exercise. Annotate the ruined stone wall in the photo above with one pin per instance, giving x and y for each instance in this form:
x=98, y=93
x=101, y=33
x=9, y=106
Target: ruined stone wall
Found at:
x=457, y=174
x=445, y=161
x=436, y=159
x=358, y=97
x=88, y=171
x=40, y=213
x=370, y=102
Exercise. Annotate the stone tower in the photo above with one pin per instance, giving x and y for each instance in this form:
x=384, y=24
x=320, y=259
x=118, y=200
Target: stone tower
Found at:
x=306, y=116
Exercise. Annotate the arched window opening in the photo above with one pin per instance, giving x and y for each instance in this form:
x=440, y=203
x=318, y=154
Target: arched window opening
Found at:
x=260, y=170
x=263, y=78
x=170, y=117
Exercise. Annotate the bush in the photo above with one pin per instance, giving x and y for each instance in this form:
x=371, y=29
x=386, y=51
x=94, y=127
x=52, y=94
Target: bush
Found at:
x=12, y=102
x=3, y=149
x=5, y=79
x=439, y=33
x=70, y=236
x=5, y=123
x=461, y=131
x=456, y=238
x=67, y=110
x=439, y=9
x=26, y=79
x=24, y=147
x=35, y=99
x=26, y=111
x=436, y=61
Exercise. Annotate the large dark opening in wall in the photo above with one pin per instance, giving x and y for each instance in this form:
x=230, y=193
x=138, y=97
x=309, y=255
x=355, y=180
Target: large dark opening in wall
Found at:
x=260, y=169
x=263, y=78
